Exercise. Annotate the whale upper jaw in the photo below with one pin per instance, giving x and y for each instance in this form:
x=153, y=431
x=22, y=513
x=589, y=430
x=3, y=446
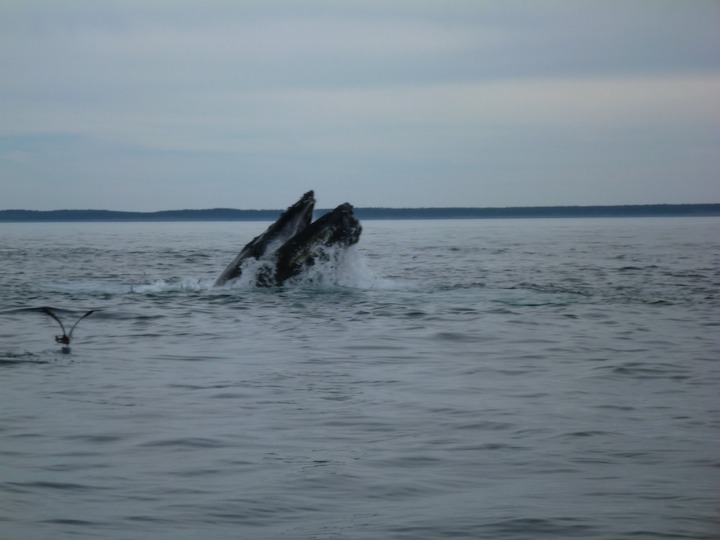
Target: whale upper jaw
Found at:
x=296, y=218
x=295, y=242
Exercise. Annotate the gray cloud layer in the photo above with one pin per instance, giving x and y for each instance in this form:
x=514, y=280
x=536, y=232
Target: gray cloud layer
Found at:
x=148, y=106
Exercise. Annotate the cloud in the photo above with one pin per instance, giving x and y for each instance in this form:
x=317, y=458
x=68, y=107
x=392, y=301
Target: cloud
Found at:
x=230, y=121
x=388, y=99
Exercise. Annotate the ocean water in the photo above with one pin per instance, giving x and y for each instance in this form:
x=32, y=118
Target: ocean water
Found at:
x=499, y=379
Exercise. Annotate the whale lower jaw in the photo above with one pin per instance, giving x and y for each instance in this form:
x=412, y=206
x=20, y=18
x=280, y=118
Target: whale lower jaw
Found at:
x=294, y=242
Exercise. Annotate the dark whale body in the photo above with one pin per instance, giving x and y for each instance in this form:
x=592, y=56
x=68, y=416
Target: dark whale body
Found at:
x=294, y=242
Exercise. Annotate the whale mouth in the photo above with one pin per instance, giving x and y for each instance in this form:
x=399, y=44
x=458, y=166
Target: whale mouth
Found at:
x=294, y=242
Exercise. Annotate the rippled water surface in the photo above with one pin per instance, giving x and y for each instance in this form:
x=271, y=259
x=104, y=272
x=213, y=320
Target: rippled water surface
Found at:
x=500, y=379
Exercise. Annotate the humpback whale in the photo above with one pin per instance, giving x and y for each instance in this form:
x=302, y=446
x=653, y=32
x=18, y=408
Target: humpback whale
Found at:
x=295, y=242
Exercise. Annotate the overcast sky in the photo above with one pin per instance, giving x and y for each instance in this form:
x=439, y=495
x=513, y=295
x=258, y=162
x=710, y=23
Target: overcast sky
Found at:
x=171, y=104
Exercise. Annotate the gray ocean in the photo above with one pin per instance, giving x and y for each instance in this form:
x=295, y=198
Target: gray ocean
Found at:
x=477, y=379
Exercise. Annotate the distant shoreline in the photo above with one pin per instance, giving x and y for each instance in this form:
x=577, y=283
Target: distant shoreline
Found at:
x=369, y=213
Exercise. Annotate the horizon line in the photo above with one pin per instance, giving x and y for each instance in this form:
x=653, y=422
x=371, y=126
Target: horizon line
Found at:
x=369, y=213
x=390, y=208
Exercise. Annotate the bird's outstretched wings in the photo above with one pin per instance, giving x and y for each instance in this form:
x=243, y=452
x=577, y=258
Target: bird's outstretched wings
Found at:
x=66, y=336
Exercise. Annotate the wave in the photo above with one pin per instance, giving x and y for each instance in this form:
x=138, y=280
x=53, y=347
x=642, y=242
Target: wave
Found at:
x=344, y=268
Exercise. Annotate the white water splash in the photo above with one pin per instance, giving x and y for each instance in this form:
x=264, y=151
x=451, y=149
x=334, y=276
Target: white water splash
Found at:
x=342, y=267
x=185, y=284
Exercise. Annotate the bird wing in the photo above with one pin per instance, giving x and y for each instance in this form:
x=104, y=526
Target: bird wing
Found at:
x=80, y=319
x=48, y=311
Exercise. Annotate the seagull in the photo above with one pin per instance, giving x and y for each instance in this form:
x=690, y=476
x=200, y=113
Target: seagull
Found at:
x=65, y=338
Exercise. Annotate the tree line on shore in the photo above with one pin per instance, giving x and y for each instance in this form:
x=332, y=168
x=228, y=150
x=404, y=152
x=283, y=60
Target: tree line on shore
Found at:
x=230, y=214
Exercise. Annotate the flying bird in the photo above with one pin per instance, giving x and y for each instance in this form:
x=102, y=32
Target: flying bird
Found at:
x=66, y=336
